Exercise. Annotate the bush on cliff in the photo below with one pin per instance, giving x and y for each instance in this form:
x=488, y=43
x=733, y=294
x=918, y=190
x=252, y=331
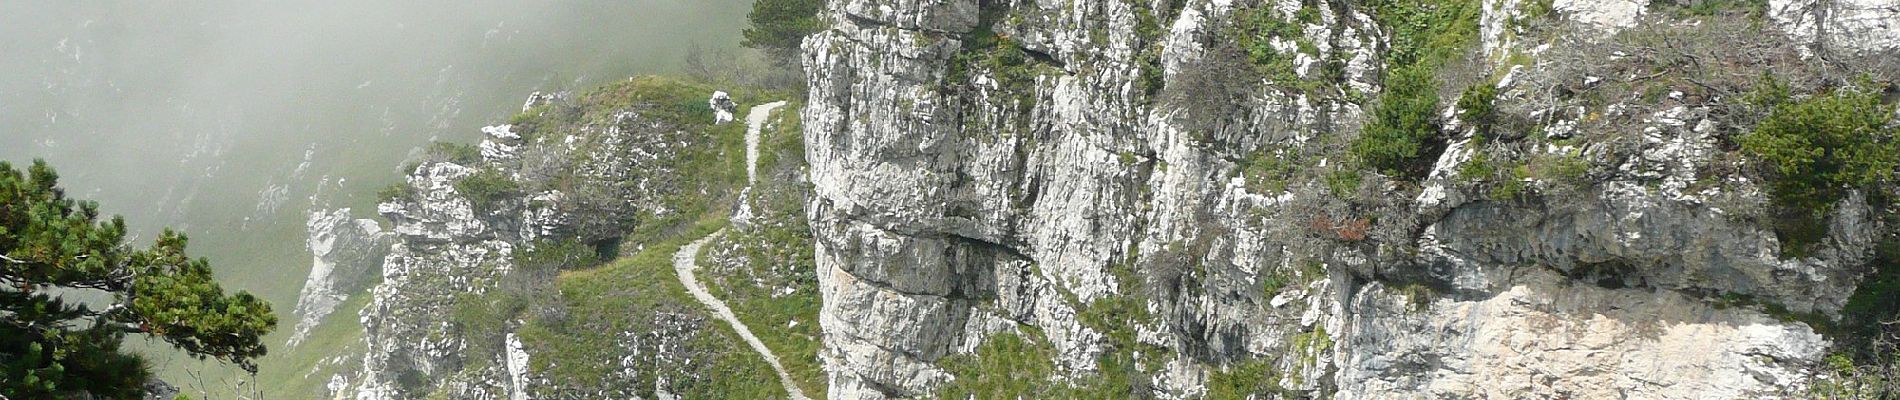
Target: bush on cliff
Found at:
x=1815, y=151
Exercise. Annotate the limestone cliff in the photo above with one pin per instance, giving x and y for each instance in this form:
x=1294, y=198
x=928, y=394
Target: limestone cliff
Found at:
x=1174, y=198
x=347, y=254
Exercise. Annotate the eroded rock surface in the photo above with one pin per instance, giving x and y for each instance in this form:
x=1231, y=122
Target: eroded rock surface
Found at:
x=955, y=199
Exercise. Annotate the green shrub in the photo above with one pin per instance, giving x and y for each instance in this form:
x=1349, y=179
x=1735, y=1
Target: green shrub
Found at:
x=1513, y=186
x=1268, y=172
x=1477, y=169
x=459, y=153
x=1476, y=108
x=1308, y=14
x=1533, y=10
x=1403, y=134
x=1876, y=300
x=396, y=191
x=1149, y=76
x=1815, y=151
x=1562, y=168
x=1344, y=182
x=1404, y=124
x=483, y=189
x=1866, y=351
x=1126, y=362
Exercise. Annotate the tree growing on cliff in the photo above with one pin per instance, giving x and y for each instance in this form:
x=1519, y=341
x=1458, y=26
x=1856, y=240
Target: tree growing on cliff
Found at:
x=1404, y=125
x=71, y=288
x=1817, y=150
x=778, y=26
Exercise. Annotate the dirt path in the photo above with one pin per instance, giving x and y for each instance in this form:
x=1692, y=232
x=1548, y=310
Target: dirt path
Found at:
x=754, y=122
x=685, y=262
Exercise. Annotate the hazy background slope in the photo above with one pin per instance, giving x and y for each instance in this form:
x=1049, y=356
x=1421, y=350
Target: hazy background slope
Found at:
x=231, y=119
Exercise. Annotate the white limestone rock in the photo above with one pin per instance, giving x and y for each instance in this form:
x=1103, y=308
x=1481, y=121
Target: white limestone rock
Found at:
x=723, y=107
x=936, y=212
x=347, y=255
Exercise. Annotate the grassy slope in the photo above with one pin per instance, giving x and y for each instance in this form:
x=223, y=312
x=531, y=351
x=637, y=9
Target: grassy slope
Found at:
x=776, y=252
x=582, y=348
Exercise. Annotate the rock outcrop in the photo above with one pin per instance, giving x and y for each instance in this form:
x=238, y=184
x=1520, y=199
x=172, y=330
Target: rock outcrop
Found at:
x=347, y=257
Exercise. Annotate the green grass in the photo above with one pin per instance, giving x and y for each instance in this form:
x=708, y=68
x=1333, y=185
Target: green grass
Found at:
x=1255, y=29
x=1249, y=379
x=775, y=250
x=1014, y=364
x=1010, y=66
x=337, y=334
x=1309, y=346
x=699, y=178
x=1006, y=366
x=635, y=292
x=583, y=348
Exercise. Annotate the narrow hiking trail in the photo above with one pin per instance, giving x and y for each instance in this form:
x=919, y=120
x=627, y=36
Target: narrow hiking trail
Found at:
x=685, y=261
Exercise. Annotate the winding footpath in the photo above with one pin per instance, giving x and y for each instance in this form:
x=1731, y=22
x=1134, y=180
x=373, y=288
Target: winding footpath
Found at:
x=685, y=261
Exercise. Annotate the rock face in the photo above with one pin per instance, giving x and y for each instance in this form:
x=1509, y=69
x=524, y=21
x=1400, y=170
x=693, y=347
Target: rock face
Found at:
x=446, y=248
x=1545, y=339
x=1114, y=161
x=1864, y=27
x=348, y=256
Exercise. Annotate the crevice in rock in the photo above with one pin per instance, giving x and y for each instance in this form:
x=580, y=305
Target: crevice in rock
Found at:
x=1613, y=274
x=1045, y=58
x=888, y=287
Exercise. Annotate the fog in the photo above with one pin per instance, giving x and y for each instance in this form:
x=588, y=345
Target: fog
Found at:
x=231, y=120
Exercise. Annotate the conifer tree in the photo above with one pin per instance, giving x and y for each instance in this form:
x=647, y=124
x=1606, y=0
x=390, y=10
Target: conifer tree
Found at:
x=72, y=287
x=779, y=26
